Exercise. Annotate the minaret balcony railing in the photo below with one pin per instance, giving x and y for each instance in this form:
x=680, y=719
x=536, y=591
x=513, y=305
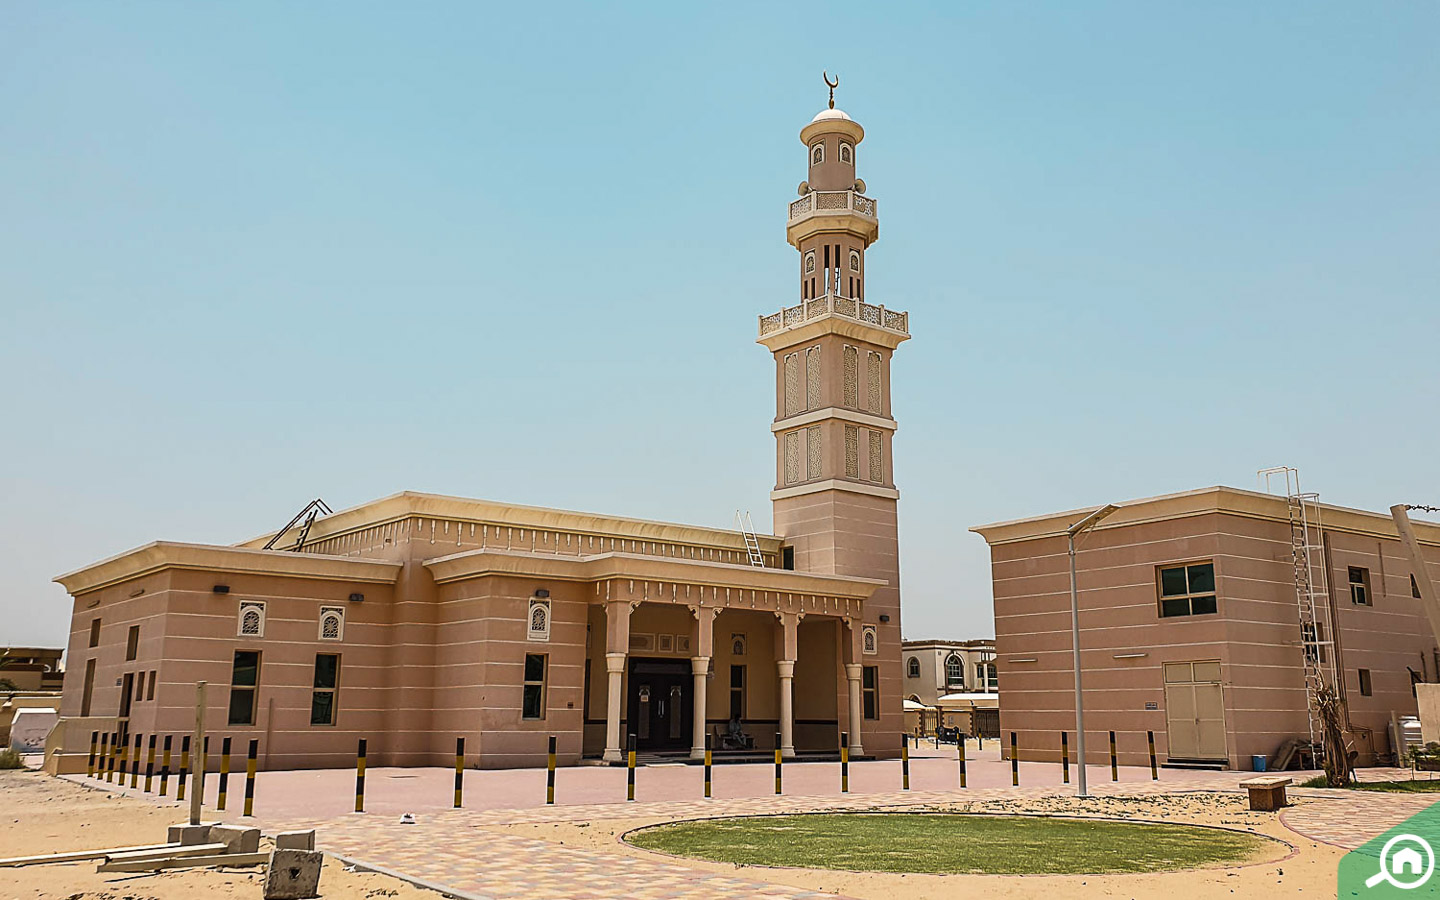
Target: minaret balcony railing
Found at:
x=835, y=305
x=831, y=202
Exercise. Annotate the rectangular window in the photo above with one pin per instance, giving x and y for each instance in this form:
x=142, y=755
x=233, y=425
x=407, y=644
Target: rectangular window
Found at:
x=792, y=457
x=812, y=378
x=132, y=643
x=737, y=692
x=792, y=384
x=1187, y=590
x=877, y=461
x=585, y=701
x=94, y=632
x=533, y=701
x=1360, y=586
x=872, y=375
x=244, y=685
x=787, y=558
x=1414, y=588
x=326, y=685
x=852, y=451
x=150, y=691
x=812, y=452
x=852, y=377
x=1365, y=683
x=89, y=694
x=1312, y=637
x=870, y=691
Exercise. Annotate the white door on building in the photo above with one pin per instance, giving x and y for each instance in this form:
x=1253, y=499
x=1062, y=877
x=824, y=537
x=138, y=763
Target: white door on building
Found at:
x=1195, y=710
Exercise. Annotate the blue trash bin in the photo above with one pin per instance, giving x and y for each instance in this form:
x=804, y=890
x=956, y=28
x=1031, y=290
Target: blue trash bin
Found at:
x=1257, y=763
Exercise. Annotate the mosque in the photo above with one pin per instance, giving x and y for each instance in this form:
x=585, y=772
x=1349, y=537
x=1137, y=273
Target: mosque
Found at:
x=417, y=619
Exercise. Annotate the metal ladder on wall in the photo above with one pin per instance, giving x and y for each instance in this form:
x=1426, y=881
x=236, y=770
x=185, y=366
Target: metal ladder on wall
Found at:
x=752, y=543
x=1312, y=592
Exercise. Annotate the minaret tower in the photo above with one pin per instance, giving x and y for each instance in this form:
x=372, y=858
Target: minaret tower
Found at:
x=835, y=497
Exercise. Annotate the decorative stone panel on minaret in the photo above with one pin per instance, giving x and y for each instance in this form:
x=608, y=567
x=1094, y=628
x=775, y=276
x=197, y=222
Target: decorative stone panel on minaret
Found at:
x=834, y=497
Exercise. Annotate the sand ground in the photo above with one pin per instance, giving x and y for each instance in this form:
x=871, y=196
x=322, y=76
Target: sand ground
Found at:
x=40, y=814
x=1294, y=866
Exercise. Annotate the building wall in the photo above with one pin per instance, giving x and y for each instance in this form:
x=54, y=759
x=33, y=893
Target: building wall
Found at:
x=1254, y=635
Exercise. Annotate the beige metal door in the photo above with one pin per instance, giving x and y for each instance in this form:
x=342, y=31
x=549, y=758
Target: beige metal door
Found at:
x=1195, y=710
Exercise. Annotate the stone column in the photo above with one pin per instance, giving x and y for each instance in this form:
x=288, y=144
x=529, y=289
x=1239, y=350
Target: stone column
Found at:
x=786, y=669
x=700, y=668
x=617, y=644
x=853, y=673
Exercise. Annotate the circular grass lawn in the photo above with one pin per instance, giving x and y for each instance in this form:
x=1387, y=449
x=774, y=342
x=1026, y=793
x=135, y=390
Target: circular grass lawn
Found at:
x=943, y=844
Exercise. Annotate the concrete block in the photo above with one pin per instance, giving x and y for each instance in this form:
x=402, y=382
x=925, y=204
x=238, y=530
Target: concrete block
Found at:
x=236, y=838
x=295, y=840
x=187, y=835
x=293, y=875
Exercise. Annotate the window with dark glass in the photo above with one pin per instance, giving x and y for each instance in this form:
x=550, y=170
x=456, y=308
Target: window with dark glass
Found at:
x=244, y=685
x=1414, y=588
x=1360, y=586
x=954, y=670
x=325, y=687
x=94, y=632
x=737, y=692
x=89, y=693
x=870, y=691
x=912, y=668
x=1187, y=590
x=1365, y=687
x=533, y=702
x=787, y=558
x=150, y=691
x=132, y=643
x=1312, y=637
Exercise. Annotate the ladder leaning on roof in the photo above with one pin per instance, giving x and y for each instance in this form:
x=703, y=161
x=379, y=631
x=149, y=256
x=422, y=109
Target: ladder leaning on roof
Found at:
x=752, y=543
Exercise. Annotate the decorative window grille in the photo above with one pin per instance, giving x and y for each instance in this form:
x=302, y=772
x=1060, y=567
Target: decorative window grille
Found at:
x=846, y=153
x=912, y=668
x=877, y=468
x=954, y=670
x=812, y=378
x=852, y=377
x=792, y=457
x=737, y=645
x=872, y=375
x=854, y=261
x=852, y=451
x=817, y=154
x=810, y=263
x=252, y=619
x=332, y=623
x=869, y=640
x=792, y=384
x=539, y=621
x=812, y=441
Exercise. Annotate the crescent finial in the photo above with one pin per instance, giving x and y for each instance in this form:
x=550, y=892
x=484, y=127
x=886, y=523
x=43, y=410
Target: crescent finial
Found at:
x=832, y=85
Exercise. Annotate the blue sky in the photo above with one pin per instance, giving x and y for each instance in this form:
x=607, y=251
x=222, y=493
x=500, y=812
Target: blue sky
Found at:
x=255, y=253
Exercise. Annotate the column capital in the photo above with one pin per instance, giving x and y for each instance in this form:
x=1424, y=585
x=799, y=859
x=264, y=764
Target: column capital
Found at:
x=615, y=662
x=700, y=665
x=785, y=668
x=853, y=671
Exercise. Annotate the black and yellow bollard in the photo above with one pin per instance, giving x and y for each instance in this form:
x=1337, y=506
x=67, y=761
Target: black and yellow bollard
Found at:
x=460, y=769
x=979, y=741
x=150, y=764
x=90, y=764
x=250, y=776
x=200, y=776
x=1154, y=770
x=1065, y=756
x=360, y=777
x=844, y=762
x=779, y=777
x=165, y=768
x=960, y=749
x=550, y=773
x=135, y=765
x=117, y=757
x=184, y=767
x=630, y=767
x=707, y=765
x=224, y=788
x=104, y=755
x=1014, y=761
x=904, y=762
x=1114, y=769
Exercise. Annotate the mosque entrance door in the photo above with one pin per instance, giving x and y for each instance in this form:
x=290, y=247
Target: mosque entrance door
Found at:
x=660, y=707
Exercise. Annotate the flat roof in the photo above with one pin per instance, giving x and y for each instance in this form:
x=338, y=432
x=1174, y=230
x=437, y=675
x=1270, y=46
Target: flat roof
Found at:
x=1216, y=499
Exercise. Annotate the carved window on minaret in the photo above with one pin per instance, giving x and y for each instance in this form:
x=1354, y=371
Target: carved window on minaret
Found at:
x=852, y=377
x=872, y=374
x=812, y=378
x=792, y=457
x=817, y=154
x=846, y=153
x=852, y=451
x=812, y=452
x=854, y=261
x=792, y=384
x=810, y=263
x=877, y=467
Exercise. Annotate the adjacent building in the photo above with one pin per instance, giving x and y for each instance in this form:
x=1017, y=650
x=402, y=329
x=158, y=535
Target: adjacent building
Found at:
x=954, y=684
x=1191, y=626
x=419, y=618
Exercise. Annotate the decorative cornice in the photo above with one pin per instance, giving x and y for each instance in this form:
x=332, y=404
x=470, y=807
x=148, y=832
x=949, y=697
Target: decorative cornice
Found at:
x=160, y=555
x=835, y=484
x=603, y=566
x=409, y=504
x=830, y=323
x=1218, y=499
x=834, y=412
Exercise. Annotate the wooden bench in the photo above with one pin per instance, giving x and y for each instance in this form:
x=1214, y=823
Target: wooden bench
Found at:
x=1267, y=792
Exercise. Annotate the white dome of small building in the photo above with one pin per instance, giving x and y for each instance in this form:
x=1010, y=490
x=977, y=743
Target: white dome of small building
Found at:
x=825, y=115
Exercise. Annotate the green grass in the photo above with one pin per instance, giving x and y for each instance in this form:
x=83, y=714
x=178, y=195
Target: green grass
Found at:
x=1419, y=786
x=945, y=844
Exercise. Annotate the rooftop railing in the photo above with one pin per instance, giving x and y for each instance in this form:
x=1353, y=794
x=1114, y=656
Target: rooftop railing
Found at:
x=834, y=305
x=832, y=201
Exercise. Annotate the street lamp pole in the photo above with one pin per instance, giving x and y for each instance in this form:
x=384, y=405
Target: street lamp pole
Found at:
x=1071, y=533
